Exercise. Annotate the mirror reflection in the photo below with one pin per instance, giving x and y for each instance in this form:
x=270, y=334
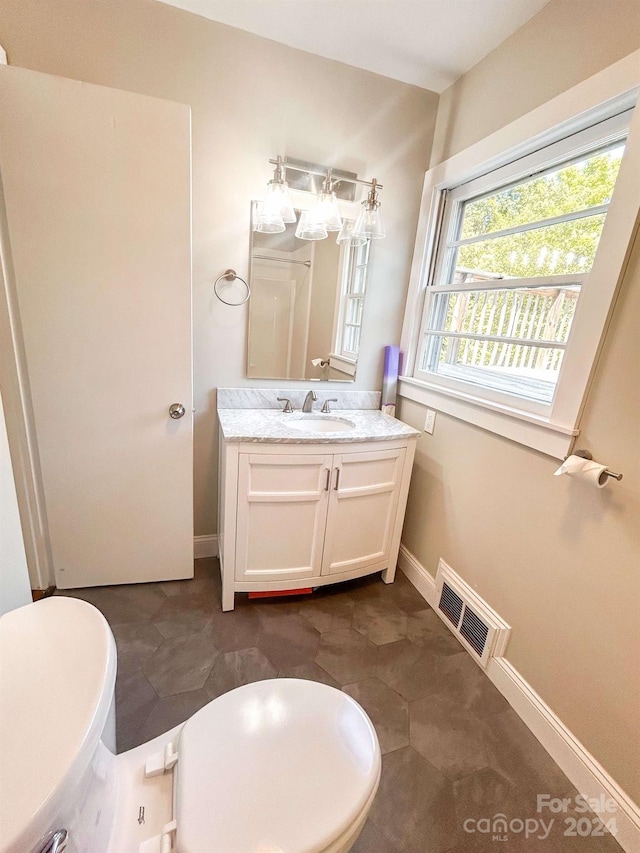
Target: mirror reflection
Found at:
x=306, y=306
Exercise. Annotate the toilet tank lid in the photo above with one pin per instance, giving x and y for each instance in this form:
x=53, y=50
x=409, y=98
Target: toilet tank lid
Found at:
x=57, y=671
x=281, y=764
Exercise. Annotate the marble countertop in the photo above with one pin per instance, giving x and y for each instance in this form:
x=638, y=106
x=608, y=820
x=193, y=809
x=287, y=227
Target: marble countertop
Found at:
x=269, y=425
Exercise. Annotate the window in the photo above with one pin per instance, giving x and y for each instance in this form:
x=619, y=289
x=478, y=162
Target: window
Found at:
x=353, y=299
x=513, y=257
x=350, y=307
x=518, y=258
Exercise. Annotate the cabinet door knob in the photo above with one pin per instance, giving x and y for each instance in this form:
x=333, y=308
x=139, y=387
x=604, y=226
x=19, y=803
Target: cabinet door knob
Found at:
x=335, y=488
x=328, y=480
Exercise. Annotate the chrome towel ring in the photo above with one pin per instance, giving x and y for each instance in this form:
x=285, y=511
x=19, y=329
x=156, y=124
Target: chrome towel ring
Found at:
x=231, y=275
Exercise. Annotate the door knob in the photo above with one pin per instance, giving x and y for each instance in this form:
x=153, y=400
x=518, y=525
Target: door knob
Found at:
x=176, y=410
x=55, y=842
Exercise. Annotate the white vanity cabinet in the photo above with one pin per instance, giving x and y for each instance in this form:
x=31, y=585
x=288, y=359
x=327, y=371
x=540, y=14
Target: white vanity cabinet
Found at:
x=302, y=515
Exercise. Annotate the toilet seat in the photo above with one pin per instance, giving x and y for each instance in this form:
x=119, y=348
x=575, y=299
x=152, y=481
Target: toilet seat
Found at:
x=277, y=765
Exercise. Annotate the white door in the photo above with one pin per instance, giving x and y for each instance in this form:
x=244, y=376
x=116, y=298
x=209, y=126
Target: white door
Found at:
x=97, y=194
x=15, y=590
x=282, y=511
x=362, y=509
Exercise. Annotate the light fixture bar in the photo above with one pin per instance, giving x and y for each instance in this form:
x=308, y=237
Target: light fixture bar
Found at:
x=336, y=177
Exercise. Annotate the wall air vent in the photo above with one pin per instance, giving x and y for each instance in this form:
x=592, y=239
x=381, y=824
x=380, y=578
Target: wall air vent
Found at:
x=451, y=604
x=475, y=624
x=474, y=630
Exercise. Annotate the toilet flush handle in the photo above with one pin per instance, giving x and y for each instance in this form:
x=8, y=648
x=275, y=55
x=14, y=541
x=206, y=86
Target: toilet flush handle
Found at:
x=56, y=842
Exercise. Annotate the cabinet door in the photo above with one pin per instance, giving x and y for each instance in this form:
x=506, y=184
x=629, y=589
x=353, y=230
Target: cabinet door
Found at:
x=282, y=512
x=362, y=509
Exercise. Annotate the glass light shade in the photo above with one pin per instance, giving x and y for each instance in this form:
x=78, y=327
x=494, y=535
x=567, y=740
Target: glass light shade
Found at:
x=369, y=224
x=310, y=227
x=278, y=202
x=327, y=211
x=346, y=235
x=267, y=223
x=271, y=224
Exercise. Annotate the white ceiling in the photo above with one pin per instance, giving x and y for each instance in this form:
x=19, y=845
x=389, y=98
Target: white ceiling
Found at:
x=429, y=43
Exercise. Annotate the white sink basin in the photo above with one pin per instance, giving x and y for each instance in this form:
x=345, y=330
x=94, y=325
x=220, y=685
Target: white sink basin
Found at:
x=319, y=423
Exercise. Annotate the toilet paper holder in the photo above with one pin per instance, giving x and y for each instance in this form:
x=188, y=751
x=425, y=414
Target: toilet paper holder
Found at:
x=586, y=454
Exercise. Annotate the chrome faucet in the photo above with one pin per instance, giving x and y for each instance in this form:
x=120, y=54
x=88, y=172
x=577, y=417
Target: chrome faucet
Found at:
x=309, y=400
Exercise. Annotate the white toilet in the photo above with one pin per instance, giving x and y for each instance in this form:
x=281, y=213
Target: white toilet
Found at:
x=278, y=766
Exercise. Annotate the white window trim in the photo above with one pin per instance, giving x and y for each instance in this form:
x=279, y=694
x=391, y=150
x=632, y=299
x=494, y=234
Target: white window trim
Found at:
x=606, y=93
x=344, y=365
x=341, y=356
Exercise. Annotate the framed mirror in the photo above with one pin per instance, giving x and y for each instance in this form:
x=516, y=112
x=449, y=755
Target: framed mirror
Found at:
x=306, y=306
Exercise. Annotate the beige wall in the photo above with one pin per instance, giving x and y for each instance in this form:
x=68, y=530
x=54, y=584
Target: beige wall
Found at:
x=568, y=41
x=560, y=562
x=251, y=99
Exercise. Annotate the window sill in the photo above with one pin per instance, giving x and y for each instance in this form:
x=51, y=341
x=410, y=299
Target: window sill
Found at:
x=343, y=364
x=530, y=430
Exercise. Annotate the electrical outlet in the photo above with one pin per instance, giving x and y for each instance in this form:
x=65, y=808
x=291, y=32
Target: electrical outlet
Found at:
x=430, y=421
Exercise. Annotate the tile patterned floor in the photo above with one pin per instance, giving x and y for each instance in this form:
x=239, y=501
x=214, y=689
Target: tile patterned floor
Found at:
x=452, y=748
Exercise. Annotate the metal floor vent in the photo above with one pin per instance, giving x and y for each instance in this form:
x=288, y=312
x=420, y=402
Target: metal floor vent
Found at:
x=477, y=626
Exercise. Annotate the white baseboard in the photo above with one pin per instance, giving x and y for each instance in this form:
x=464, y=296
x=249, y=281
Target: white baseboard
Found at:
x=205, y=546
x=582, y=769
x=423, y=581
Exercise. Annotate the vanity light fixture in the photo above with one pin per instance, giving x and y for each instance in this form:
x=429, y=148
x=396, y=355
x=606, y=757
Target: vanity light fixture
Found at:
x=369, y=224
x=327, y=206
x=315, y=224
x=276, y=210
x=347, y=234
